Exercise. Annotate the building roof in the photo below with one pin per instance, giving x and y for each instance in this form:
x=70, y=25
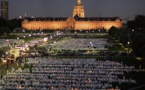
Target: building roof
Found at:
x=76, y=18
x=46, y=19
x=97, y=18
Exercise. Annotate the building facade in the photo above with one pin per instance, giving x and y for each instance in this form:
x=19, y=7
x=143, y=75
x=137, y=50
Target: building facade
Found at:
x=79, y=9
x=77, y=22
x=4, y=9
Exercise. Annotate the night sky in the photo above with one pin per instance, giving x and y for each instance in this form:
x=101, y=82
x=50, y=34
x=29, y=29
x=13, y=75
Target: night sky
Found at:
x=64, y=8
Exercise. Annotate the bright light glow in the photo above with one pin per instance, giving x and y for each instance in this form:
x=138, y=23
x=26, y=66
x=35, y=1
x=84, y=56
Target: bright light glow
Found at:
x=50, y=37
x=138, y=58
x=4, y=61
x=45, y=39
x=6, y=52
x=90, y=42
x=29, y=35
x=54, y=42
x=23, y=30
x=7, y=40
x=20, y=17
x=17, y=37
x=27, y=48
x=26, y=45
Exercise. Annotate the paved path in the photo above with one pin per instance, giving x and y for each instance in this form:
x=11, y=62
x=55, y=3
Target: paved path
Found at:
x=3, y=68
x=136, y=88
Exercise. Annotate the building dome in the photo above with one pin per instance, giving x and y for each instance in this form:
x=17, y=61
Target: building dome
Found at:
x=79, y=9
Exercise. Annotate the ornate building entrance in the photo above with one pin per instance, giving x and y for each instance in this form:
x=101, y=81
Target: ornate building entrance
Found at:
x=70, y=24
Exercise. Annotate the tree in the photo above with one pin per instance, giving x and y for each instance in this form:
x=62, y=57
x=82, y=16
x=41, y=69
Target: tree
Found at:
x=136, y=39
x=3, y=22
x=140, y=21
x=14, y=23
x=4, y=31
x=132, y=24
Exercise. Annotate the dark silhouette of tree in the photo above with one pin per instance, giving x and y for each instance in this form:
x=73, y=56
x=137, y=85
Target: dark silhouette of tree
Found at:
x=7, y=26
x=4, y=31
x=3, y=22
x=136, y=38
x=139, y=22
x=132, y=24
x=14, y=23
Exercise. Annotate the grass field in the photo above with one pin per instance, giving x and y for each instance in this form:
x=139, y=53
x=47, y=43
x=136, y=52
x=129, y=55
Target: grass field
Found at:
x=126, y=60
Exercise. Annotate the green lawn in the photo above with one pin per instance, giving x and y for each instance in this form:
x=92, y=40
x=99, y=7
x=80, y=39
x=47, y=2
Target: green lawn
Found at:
x=126, y=60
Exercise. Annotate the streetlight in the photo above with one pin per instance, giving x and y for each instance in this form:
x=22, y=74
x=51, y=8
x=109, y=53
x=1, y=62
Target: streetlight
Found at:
x=2, y=56
x=7, y=40
x=128, y=43
x=23, y=30
x=51, y=37
x=29, y=35
x=6, y=53
x=54, y=42
x=7, y=59
x=0, y=78
x=128, y=46
x=17, y=38
x=45, y=39
x=20, y=53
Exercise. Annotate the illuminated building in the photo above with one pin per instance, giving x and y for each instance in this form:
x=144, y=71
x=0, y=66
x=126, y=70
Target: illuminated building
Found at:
x=4, y=9
x=79, y=9
x=77, y=22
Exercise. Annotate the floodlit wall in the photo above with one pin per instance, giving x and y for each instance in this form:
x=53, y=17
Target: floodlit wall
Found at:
x=33, y=25
x=79, y=25
x=88, y=25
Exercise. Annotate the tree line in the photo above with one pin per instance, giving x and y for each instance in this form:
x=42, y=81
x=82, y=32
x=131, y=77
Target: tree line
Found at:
x=7, y=26
x=138, y=22
x=133, y=36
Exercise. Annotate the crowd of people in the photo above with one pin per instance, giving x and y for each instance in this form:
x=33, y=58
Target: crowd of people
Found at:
x=68, y=74
x=8, y=42
x=81, y=44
